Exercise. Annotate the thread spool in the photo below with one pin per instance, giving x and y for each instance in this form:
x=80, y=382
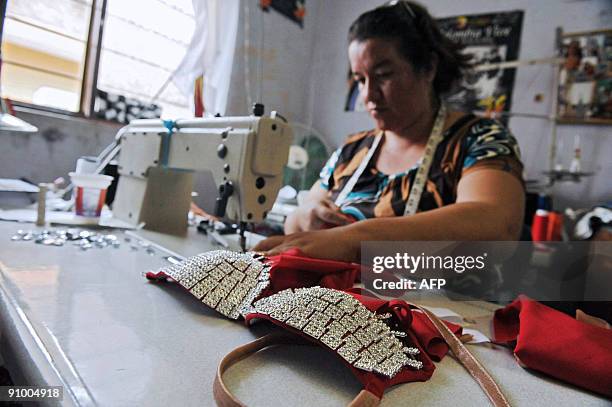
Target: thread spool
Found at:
x=539, y=228
x=555, y=226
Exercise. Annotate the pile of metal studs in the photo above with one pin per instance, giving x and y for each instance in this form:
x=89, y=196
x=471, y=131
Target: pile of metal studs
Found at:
x=83, y=238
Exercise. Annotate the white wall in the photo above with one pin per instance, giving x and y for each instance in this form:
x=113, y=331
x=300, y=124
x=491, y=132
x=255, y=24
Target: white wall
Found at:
x=540, y=20
x=283, y=62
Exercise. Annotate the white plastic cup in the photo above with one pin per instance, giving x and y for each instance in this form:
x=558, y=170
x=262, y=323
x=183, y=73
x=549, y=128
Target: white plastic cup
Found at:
x=86, y=165
x=90, y=193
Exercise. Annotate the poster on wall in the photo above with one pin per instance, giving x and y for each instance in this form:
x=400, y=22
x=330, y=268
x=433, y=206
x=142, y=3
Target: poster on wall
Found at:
x=292, y=9
x=489, y=38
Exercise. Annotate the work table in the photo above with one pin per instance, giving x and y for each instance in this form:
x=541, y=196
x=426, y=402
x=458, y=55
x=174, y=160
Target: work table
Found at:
x=89, y=321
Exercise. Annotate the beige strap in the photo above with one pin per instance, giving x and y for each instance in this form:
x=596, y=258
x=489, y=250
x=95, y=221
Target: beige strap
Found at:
x=468, y=361
x=365, y=399
x=590, y=319
x=225, y=398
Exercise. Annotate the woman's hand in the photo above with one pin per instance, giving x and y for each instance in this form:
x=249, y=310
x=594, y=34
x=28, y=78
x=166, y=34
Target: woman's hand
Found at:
x=333, y=244
x=315, y=213
x=320, y=214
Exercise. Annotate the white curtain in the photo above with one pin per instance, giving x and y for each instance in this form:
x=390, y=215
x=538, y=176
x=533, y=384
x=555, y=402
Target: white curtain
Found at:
x=211, y=52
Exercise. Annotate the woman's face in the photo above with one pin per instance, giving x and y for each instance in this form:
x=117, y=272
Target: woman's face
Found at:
x=394, y=94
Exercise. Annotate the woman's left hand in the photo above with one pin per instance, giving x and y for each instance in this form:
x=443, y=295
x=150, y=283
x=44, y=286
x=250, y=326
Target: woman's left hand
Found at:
x=333, y=244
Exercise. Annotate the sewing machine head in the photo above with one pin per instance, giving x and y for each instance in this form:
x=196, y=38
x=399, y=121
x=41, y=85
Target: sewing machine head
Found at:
x=246, y=156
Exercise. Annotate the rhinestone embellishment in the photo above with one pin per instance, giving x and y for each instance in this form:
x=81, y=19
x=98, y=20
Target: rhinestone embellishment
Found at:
x=342, y=324
x=227, y=281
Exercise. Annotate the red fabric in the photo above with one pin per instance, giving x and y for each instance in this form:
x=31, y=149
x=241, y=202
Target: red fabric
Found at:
x=291, y=269
x=419, y=334
x=429, y=336
x=554, y=343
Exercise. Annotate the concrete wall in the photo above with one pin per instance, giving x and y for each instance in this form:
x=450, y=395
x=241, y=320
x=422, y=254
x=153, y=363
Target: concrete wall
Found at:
x=53, y=151
x=538, y=36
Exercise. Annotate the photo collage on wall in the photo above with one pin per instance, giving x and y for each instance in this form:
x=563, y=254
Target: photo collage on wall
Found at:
x=585, y=78
x=489, y=38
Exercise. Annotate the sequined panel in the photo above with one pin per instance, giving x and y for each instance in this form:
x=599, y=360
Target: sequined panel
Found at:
x=227, y=281
x=344, y=325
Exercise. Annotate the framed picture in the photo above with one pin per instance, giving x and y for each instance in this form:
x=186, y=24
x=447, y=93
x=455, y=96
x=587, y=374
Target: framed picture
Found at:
x=585, y=78
x=489, y=38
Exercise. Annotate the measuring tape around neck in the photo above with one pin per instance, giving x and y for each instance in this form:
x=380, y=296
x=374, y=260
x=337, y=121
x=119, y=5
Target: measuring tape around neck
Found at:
x=420, y=179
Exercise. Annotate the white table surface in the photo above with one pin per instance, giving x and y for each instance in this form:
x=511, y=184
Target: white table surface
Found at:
x=89, y=320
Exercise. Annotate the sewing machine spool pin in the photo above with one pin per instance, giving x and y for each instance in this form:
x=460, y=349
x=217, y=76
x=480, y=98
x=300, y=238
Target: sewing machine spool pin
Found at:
x=243, y=226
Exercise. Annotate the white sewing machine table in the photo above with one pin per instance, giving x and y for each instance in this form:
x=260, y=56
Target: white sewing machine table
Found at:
x=89, y=321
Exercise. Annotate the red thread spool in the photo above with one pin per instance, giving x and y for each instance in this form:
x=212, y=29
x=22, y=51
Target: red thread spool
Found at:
x=539, y=227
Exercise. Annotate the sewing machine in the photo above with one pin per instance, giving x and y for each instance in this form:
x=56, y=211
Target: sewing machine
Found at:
x=246, y=156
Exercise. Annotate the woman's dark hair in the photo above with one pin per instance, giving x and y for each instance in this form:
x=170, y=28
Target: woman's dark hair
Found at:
x=418, y=38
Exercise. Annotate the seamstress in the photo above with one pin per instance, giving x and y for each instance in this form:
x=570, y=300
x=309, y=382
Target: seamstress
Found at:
x=371, y=187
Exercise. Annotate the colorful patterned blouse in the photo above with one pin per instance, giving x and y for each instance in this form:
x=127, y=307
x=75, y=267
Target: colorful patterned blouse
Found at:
x=468, y=145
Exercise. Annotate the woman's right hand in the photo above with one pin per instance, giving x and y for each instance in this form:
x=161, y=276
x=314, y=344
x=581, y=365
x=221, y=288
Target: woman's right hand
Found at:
x=320, y=214
x=316, y=212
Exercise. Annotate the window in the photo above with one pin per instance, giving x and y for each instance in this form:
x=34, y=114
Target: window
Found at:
x=44, y=52
x=140, y=50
